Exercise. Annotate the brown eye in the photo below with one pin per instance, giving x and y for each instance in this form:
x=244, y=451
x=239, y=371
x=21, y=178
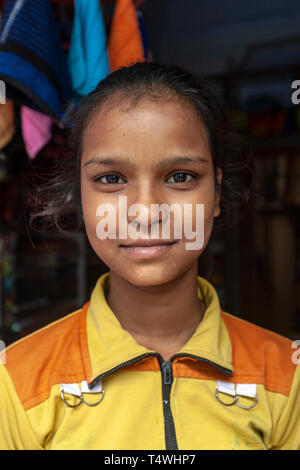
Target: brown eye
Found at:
x=181, y=178
x=110, y=179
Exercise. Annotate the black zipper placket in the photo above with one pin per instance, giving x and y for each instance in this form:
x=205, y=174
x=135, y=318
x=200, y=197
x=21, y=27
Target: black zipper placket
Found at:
x=167, y=380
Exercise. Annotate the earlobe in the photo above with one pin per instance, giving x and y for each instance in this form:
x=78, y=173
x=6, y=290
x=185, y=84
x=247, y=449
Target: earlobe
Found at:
x=217, y=211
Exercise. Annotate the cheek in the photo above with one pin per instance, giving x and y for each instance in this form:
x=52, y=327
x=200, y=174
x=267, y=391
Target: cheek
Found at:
x=90, y=201
x=204, y=210
x=89, y=207
x=203, y=213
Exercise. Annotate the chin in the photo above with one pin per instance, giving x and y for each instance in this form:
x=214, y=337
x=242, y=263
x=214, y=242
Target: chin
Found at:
x=149, y=279
x=148, y=276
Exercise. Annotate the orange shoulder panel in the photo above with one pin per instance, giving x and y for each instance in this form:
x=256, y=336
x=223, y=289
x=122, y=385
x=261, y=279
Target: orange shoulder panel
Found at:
x=260, y=355
x=54, y=354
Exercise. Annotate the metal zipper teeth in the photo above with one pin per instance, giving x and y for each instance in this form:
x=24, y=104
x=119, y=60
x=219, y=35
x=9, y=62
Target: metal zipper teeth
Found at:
x=132, y=361
x=170, y=432
x=220, y=368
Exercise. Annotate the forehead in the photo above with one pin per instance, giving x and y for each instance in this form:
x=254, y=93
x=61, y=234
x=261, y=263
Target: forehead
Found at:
x=151, y=127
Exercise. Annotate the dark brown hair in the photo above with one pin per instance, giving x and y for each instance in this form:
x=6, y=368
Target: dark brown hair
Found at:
x=56, y=203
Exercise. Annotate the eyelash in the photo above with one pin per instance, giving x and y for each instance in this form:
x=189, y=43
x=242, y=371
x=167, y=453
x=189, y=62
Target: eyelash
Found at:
x=98, y=178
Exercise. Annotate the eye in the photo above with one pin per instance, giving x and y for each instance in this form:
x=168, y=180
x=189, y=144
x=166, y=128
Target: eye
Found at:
x=181, y=177
x=111, y=178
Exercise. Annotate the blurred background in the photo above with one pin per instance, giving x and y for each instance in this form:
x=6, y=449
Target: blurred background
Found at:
x=251, y=52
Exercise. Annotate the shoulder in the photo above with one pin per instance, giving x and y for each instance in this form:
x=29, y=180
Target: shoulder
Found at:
x=260, y=355
x=47, y=356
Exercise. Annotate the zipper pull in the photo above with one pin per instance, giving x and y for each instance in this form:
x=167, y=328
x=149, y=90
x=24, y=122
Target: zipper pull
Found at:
x=167, y=372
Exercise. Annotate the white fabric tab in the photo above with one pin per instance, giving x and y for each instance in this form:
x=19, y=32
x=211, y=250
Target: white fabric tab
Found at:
x=246, y=390
x=226, y=387
x=72, y=389
x=86, y=389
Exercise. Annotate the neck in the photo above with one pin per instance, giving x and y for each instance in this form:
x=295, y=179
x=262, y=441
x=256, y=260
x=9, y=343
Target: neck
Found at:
x=161, y=318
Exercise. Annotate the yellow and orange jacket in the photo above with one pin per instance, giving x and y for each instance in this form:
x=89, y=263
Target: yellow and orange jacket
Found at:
x=233, y=385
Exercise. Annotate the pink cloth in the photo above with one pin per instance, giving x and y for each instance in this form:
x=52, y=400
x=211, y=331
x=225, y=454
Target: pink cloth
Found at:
x=36, y=130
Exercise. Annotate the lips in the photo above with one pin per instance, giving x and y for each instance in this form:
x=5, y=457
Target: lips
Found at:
x=147, y=249
x=147, y=243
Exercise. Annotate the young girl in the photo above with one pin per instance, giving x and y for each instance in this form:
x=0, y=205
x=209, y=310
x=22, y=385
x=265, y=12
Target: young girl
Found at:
x=151, y=361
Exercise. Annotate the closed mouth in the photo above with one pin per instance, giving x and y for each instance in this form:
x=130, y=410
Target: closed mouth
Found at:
x=149, y=243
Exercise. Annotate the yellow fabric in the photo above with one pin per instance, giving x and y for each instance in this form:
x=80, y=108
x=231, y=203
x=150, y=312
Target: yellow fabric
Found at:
x=111, y=345
x=131, y=414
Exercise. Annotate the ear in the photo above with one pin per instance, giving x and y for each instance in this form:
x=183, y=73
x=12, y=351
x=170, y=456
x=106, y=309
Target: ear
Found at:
x=217, y=210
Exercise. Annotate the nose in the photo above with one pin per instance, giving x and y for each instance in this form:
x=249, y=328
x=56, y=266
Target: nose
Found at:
x=143, y=209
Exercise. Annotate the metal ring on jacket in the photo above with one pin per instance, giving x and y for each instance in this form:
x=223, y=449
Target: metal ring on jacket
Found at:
x=65, y=401
x=223, y=403
x=93, y=404
x=248, y=407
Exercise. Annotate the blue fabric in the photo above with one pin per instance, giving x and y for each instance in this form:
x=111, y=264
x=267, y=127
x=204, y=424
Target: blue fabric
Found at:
x=143, y=32
x=34, y=84
x=88, y=57
x=30, y=35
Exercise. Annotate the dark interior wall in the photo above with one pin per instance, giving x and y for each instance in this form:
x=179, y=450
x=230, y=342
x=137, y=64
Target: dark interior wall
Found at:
x=208, y=36
x=252, y=50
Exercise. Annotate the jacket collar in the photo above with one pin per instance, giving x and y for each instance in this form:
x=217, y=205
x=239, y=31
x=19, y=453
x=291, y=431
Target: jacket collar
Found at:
x=110, y=345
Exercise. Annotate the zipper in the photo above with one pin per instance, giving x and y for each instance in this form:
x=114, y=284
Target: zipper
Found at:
x=167, y=380
x=131, y=361
x=224, y=370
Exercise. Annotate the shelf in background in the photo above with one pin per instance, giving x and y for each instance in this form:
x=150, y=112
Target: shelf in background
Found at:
x=287, y=144
x=35, y=321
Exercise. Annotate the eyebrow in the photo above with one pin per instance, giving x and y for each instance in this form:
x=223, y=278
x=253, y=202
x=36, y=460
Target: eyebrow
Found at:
x=129, y=164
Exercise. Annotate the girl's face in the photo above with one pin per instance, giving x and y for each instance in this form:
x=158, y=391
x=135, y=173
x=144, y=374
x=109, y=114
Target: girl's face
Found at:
x=155, y=152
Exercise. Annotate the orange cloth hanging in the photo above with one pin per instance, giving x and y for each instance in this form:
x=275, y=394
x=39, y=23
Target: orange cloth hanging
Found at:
x=125, y=44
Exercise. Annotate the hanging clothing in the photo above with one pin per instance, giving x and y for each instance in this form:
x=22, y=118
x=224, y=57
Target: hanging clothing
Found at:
x=144, y=35
x=32, y=60
x=125, y=45
x=88, y=58
x=52, y=378
x=36, y=130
